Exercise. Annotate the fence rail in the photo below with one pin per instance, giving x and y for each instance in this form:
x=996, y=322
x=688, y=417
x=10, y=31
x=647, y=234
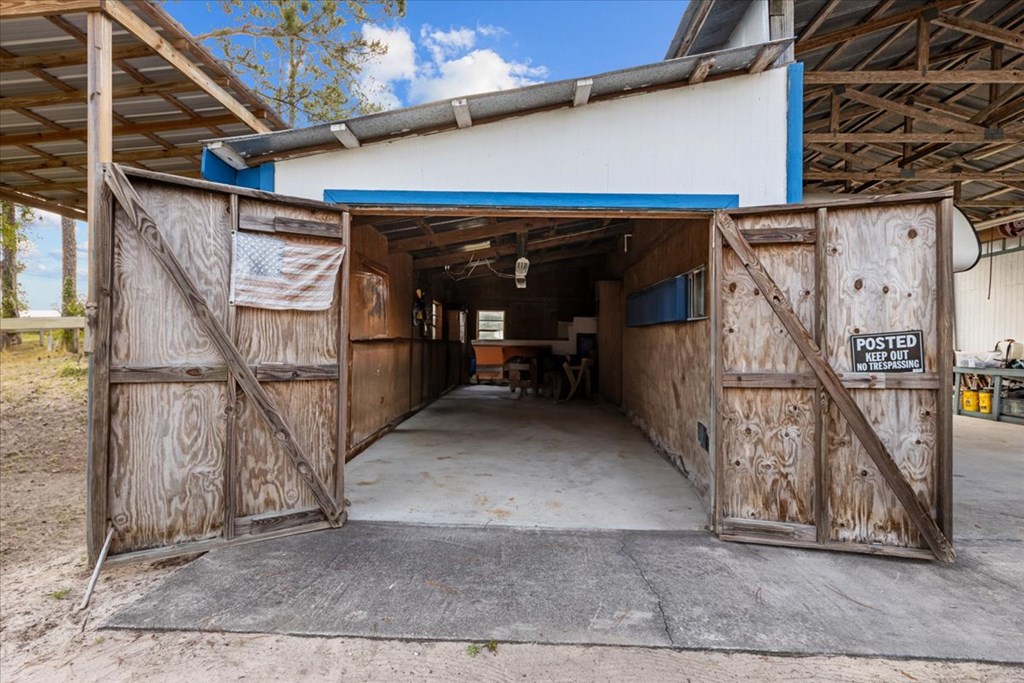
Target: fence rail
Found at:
x=34, y=324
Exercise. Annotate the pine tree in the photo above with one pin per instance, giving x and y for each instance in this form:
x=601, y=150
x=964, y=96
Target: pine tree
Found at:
x=298, y=55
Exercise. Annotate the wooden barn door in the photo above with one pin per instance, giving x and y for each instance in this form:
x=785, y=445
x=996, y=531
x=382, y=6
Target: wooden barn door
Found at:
x=211, y=423
x=810, y=450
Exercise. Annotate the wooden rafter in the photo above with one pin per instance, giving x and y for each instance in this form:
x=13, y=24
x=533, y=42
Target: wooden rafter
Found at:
x=981, y=29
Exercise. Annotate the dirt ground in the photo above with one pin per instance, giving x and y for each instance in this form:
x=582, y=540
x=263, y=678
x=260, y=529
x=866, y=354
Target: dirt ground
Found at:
x=43, y=574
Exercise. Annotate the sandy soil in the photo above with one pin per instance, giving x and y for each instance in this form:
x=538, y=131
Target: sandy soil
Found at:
x=43, y=575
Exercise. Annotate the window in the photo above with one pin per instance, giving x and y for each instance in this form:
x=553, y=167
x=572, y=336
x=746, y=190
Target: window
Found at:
x=697, y=297
x=490, y=324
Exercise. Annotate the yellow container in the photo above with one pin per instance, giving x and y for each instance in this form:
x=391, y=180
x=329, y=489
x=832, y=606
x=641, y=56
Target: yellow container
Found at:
x=969, y=400
x=985, y=402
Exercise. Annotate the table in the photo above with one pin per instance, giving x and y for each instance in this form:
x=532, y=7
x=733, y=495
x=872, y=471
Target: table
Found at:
x=997, y=389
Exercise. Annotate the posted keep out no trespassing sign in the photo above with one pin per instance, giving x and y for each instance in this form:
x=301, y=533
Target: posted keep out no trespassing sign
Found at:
x=888, y=351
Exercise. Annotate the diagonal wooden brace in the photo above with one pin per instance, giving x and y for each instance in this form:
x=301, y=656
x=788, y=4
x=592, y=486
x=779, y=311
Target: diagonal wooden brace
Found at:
x=831, y=382
x=150, y=233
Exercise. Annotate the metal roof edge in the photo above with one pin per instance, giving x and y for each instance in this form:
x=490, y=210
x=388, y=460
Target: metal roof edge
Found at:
x=491, y=106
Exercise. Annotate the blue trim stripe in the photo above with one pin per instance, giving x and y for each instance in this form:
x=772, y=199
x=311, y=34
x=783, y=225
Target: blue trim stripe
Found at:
x=795, y=133
x=541, y=200
x=214, y=169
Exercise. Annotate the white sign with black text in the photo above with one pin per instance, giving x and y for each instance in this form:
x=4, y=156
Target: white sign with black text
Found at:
x=888, y=352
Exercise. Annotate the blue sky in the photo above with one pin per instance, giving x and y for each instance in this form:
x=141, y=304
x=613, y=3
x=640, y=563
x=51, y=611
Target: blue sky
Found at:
x=441, y=49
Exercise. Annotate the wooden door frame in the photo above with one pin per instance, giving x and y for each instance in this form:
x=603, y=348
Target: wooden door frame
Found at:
x=829, y=387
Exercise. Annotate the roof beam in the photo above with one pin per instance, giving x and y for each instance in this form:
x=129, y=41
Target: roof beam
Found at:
x=693, y=29
x=911, y=138
x=37, y=202
x=483, y=232
x=80, y=96
x=228, y=155
x=581, y=91
x=862, y=29
x=121, y=131
x=461, y=109
x=55, y=60
x=913, y=112
x=815, y=23
x=144, y=32
x=995, y=34
x=768, y=54
x=701, y=70
x=509, y=249
x=41, y=8
x=345, y=136
x=912, y=175
x=1013, y=76
x=78, y=160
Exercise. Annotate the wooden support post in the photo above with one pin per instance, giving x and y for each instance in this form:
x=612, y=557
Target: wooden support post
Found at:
x=100, y=150
x=822, y=517
x=231, y=394
x=344, y=362
x=715, y=438
x=869, y=439
x=923, y=51
x=781, y=24
x=945, y=360
x=996, y=64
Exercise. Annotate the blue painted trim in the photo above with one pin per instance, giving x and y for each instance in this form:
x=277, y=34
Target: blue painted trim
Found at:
x=795, y=133
x=259, y=178
x=214, y=169
x=543, y=200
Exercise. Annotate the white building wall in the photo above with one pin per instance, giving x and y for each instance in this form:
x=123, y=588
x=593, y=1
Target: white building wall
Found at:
x=721, y=137
x=753, y=28
x=982, y=321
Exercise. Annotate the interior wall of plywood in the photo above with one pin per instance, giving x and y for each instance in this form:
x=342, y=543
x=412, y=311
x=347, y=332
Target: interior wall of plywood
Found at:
x=393, y=371
x=989, y=300
x=666, y=368
x=610, y=317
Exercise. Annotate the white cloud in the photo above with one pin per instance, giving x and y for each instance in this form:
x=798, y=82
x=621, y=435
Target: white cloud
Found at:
x=397, y=64
x=448, y=64
x=477, y=72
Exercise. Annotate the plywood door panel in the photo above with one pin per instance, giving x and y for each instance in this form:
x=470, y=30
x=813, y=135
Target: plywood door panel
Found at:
x=768, y=436
x=166, y=468
x=880, y=265
x=266, y=479
x=151, y=323
x=753, y=338
x=862, y=506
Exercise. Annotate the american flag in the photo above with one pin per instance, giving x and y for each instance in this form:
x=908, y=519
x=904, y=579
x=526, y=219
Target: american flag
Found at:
x=284, y=273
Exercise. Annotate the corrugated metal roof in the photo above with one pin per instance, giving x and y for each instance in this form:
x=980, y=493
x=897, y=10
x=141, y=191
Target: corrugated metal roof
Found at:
x=491, y=106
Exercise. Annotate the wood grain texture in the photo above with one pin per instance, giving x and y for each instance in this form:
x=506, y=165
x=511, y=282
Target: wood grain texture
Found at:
x=267, y=480
x=142, y=221
x=666, y=368
x=866, y=434
x=166, y=469
x=380, y=386
x=880, y=264
x=862, y=506
x=754, y=340
x=152, y=323
x=768, y=440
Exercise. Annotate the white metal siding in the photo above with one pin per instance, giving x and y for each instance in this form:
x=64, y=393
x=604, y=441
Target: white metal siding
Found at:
x=981, y=321
x=721, y=137
x=753, y=28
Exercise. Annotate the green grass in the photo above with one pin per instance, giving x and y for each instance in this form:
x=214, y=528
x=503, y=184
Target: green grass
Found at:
x=60, y=594
x=74, y=371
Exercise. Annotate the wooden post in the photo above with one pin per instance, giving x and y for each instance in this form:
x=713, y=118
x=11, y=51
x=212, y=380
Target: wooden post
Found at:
x=822, y=518
x=344, y=362
x=945, y=361
x=715, y=438
x=781, y=24
x=100, y=217
x=231, y=394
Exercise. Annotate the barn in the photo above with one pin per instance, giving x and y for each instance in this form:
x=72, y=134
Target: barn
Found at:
x=462, y=280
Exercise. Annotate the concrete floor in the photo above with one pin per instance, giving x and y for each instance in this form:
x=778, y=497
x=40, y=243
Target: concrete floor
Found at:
x=988, y=480
x=480, y=456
